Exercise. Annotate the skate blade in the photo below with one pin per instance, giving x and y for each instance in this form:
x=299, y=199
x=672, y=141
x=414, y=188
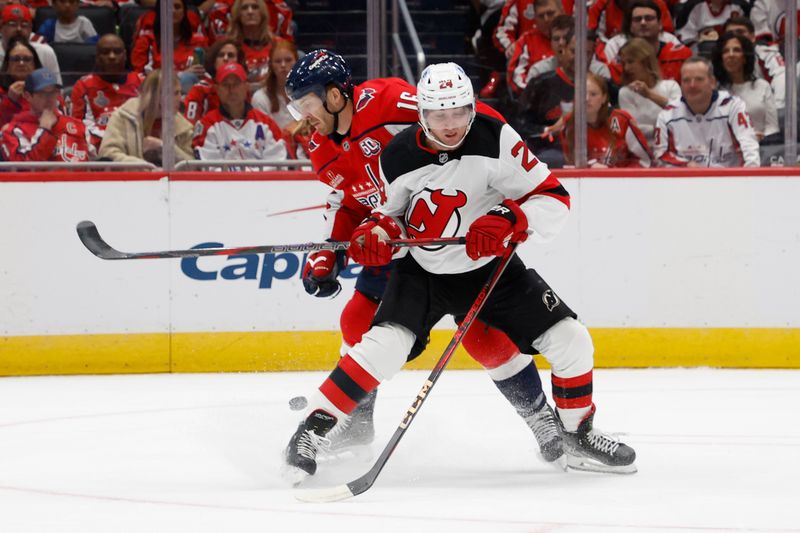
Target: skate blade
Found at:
x=293, y=475
x=560, y=464
x=585, y=464
x=362, y=452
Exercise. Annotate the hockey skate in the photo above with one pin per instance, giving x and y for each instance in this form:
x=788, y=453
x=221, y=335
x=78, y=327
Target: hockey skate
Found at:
x=355, y=431
x=590, y=450
x=548, y=434
x=301, y=452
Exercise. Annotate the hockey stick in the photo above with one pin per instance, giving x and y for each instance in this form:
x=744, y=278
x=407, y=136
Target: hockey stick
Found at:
x=363, y=484
x=90, y=237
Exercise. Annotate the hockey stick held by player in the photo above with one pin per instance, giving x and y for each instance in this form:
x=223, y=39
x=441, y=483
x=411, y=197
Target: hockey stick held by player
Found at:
x=354, y=124
x=442, y=178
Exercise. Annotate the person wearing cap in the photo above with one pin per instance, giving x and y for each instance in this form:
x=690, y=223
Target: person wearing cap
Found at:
x=237, y=130
x=133, y=133
x=97, y=95
x=16, y=20
x=42, y=133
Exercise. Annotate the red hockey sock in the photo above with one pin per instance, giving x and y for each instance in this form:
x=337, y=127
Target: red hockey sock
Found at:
x=348, y=384
x=356, y=318
x=573, y=393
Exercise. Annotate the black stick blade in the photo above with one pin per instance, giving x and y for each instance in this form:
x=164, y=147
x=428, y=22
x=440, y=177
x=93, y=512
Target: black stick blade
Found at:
x=91, y=239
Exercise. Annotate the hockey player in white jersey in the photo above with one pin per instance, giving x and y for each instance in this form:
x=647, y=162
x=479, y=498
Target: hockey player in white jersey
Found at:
x=706, y=127
x=462, y=173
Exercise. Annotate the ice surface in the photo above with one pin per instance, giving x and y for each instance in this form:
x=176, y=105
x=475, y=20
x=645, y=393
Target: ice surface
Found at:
x=718, y=450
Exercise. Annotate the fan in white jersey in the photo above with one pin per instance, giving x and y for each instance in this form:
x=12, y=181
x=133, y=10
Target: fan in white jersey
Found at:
x=465, y=174
x=706, y=127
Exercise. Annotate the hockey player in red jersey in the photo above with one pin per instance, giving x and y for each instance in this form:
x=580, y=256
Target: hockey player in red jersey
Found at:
x=353, y=126
x=43, y=133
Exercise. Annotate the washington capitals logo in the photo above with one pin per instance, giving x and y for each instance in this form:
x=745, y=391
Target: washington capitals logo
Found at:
x=367, y=95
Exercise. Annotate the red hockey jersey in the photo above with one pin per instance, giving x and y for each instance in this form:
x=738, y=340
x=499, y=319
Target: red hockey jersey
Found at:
x=349, y=163
x=94, y=99
x=621, y=144
x=200, y=100
x=23, y=139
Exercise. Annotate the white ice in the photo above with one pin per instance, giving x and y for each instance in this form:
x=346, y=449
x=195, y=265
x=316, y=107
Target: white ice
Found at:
x=718, y=450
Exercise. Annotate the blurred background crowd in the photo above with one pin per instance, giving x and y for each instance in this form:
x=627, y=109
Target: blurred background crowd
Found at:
x=80, y=80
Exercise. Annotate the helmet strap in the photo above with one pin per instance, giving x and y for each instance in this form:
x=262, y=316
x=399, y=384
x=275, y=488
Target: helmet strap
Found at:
x=335, y=113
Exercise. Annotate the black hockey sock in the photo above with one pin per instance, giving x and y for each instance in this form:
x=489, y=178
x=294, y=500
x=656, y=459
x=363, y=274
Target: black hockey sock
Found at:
x=524, y=390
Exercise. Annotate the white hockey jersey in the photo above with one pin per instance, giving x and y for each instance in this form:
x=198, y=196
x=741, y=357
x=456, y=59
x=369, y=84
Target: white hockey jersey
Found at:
x=720, y=137
x=256, y=136
x=439, y=194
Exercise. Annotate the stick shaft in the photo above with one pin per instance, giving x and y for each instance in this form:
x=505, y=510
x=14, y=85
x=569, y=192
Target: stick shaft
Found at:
x=90, y=237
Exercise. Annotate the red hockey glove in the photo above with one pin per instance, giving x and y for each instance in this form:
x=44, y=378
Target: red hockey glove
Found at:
x=321, y=271
x=367, y=244
x=491, y=233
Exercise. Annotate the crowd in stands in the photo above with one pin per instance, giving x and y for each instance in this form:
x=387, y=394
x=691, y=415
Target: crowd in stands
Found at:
x=669, y=82
x=678, y=83
x=230, y=62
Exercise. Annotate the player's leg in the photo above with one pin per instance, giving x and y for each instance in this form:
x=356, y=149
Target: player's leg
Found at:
x=568, y=348
x=379, y=355
x=359, y=428
x=533, y=315
x=516, y=376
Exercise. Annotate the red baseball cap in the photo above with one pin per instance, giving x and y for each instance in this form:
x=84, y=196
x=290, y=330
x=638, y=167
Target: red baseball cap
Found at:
x=231, y=69
x=16, y=12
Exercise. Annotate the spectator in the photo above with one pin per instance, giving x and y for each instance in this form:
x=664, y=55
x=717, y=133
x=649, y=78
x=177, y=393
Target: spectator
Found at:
x=704, y=19
x=42, y=133
x=280, y=17
x=644, y=94
x=561, y=29
x=202, y=98
x=20, y=61
x=533, y=45
x=706, y=127
x=544, y=103
x=769, y=18
x=606, y=16
x=133, y=133
x=97, y=95
x=68, y=26
x=516, y=18
x=271, y=98
x=614, y=139
x=16, y=20
x=769, y=61
x=236, y=130
x=250, y=28
x=734, y=66
x=643, y=19
x=188, y=46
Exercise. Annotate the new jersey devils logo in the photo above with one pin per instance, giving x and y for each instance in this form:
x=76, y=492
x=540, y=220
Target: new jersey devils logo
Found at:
x=434, y=213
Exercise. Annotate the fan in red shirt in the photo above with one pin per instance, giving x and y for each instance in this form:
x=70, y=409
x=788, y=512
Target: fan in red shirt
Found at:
x=202, y=98
x=189, y=36
x=97, y=95
x=43, y=133
x=614, y=139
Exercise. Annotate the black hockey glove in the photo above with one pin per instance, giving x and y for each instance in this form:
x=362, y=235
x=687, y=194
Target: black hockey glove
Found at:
x=320, y=273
